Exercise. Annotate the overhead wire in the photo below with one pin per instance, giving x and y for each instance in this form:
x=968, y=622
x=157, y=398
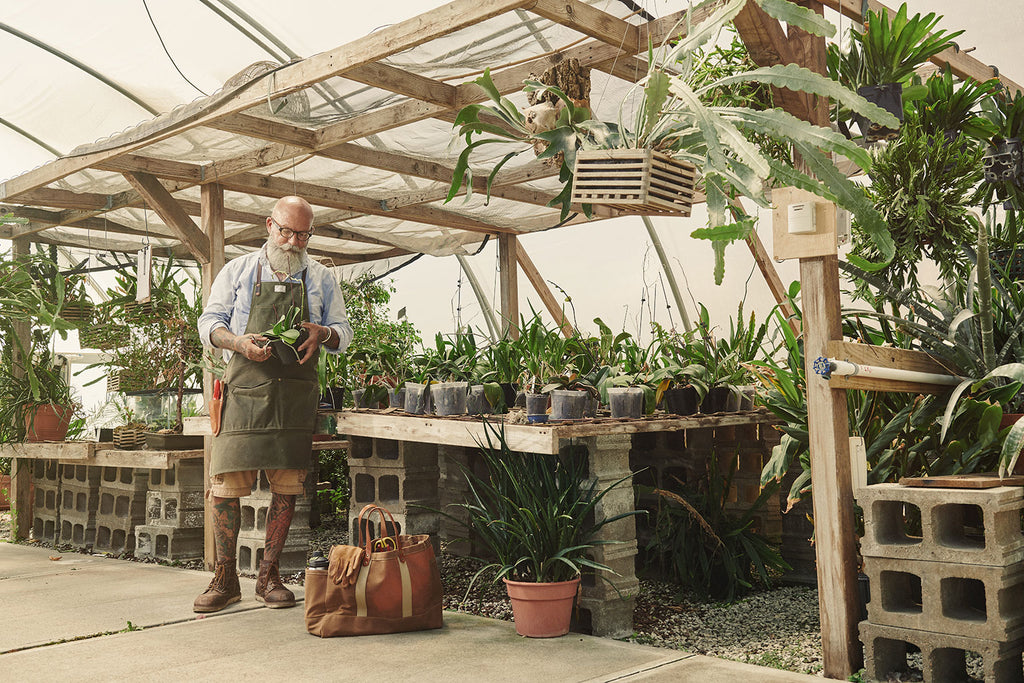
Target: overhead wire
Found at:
x=168, y=52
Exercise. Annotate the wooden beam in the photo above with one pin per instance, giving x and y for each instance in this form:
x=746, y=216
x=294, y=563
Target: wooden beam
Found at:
x=405, y=83
x=66, y=199
x=397, y=37
x=270, y=186
x=212, y=220
x=557, y=312
x=772, y=279
x=829, y=433
x=592, y=22
x=889, y=357
x=508, y=245
x=266, y=129
x=768, y=45
x=21, y=477
x=172, y=214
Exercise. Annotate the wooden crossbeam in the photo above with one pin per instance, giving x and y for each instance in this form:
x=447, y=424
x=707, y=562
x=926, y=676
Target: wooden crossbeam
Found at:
x=197, y=243
x=888, y=357
x=269, y=186
x=266, y=129
x=542, y=289
x=403, y=82
x=590, y=21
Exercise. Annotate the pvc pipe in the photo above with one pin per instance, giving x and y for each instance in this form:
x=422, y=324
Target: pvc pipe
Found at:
x=844, y=368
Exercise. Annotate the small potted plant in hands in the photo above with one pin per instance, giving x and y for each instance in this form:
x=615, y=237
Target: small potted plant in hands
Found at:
x=287, y=335
x=535, y=516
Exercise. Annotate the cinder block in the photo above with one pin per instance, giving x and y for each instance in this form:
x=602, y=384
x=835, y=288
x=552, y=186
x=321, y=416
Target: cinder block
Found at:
x=293, y=556
x=45, y=498
x=124, y=478
x=80, y=475
x=45, y=471
x=122, y=504
x=184, y=474
x=971, y=600
x=168, y=543
x=115, y=535
x=77, y=530
x=44, y=526
x=183, y=509
x=942, y=656
x=969, y=526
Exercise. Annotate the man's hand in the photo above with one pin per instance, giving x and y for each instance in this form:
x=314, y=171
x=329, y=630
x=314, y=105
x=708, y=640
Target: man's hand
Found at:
x=318, y=334
x=247, y=346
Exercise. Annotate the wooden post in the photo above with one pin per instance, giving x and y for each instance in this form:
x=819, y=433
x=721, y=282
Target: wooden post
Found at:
x=829, y=429
x=212, y=219
x=508, y=246
x=556, y=311
x=21, y=479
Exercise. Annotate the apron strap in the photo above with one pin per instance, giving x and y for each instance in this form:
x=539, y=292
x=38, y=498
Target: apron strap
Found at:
x=259, y=278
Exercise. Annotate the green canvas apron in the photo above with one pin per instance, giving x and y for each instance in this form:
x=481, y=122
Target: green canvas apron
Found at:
x=269, y=408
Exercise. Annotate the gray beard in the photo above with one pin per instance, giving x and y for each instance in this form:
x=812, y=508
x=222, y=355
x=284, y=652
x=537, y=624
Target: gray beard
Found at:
x=284, y=261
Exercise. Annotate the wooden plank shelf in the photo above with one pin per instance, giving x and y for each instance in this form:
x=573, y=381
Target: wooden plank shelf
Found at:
x=534, y=438
x=336, y=444
x=92, y=453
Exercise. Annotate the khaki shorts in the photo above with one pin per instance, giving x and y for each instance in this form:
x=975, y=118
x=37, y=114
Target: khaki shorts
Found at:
x=238, y=484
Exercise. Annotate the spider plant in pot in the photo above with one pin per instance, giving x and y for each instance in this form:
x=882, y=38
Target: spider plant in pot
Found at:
x=881, y=60
x=532, y=519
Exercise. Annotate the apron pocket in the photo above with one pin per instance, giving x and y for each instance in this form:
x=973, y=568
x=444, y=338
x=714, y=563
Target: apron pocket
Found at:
x=274, y=404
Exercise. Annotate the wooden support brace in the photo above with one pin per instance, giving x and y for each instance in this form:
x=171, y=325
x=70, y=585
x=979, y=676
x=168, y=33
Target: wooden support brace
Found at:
x=172, y=214
x=887, y=357
x=508, y=245
x=556, y=311
x=212, y=219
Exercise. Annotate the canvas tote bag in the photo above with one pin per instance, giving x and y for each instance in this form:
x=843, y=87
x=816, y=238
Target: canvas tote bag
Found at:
x=389, y=584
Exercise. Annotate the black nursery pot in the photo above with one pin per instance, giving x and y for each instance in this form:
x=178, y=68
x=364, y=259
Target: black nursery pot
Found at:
x=1002, y=162
x=289, y=354
x=717, y=400
x=681, y=400
x=889, y=97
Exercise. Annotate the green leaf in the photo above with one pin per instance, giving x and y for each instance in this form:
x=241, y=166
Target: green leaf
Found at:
x=656, y=92
x=800, y=17
x=799, y=78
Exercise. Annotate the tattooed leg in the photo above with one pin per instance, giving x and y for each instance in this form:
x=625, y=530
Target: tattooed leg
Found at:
x=227, y=520
x=279, y=519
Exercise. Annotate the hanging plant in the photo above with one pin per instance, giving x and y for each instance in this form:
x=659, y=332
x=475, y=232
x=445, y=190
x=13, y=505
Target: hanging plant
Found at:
x=882, y=58
x=924, y=191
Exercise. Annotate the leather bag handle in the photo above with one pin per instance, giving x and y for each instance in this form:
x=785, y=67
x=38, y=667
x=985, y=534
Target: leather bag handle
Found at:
x=385, y=531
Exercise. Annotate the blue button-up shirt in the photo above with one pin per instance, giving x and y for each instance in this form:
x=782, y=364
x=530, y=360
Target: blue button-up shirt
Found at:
x=231, y=298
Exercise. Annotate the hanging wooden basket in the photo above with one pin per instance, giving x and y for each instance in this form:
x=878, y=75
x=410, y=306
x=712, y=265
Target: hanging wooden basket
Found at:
x=639, y=181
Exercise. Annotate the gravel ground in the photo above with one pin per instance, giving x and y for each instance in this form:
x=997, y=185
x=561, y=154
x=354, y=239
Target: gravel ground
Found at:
x=777, y=628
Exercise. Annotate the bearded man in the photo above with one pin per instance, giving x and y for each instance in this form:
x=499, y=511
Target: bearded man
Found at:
x=268, y=407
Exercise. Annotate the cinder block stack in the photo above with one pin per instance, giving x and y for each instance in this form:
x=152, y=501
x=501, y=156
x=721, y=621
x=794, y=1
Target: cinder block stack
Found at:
x=174, y=513
x=79, y=500
x=122, y=507
x=252, y=535
x=46, y=508
x=956, y=588
x=397, y=475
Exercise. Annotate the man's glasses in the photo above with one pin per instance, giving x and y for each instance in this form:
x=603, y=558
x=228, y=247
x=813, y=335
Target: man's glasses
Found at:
x=301, y=235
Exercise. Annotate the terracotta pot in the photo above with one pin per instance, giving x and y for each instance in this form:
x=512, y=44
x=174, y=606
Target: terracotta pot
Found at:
x=542, y=610
x=47, y=422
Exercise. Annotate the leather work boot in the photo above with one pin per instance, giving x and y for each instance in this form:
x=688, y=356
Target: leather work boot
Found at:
x=223, y=590
x=269, y=589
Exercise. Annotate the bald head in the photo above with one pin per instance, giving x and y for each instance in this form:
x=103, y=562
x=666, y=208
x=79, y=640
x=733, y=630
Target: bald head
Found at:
x=294, y=213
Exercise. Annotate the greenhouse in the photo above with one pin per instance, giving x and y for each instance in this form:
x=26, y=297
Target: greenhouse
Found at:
x=753, y=410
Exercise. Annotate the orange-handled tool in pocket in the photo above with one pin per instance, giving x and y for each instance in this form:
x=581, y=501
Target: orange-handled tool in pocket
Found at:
x=216, y=405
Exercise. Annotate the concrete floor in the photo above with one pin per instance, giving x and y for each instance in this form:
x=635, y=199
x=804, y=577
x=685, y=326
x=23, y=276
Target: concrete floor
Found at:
x=68, y=619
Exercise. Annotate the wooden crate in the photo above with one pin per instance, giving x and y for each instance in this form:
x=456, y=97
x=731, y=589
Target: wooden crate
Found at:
x=639, y=181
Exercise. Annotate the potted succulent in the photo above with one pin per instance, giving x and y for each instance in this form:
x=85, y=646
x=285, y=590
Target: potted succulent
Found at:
x=881, y=60
x=535, y=516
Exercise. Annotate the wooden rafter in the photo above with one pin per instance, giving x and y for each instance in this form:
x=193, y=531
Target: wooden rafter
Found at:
x=542, y=289
x=197, y=243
